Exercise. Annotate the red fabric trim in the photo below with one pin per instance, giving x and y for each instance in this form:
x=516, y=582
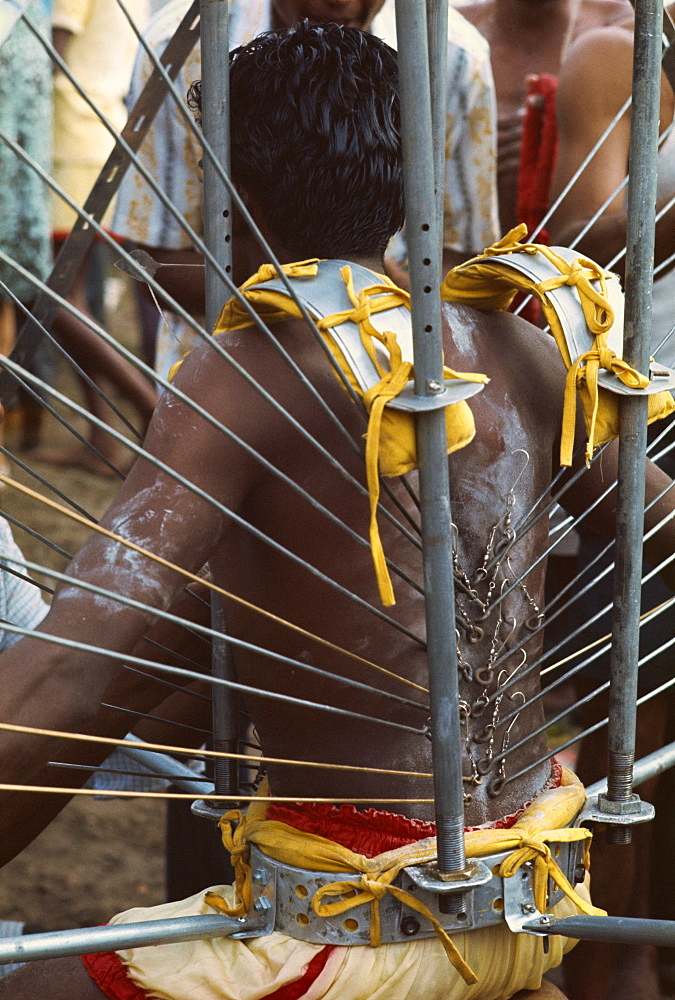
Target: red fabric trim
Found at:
x=374, y=831
x=368, y=832
x=298, y=988
x=110, y=975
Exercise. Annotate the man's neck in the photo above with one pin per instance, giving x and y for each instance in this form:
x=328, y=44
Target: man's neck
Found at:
x=249, y=257
x=532, y=15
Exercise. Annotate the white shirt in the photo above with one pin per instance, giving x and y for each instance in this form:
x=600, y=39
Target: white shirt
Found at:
x=21, y=602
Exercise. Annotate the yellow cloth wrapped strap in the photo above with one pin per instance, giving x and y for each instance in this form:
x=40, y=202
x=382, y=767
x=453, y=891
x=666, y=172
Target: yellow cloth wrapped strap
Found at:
x=390, y=439
x=484, y=284
x=542, y=822
x=270, y=305
x=391, y=448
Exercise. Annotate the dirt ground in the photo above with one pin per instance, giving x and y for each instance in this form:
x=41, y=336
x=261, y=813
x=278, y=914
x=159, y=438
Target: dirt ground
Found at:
x=97, y=857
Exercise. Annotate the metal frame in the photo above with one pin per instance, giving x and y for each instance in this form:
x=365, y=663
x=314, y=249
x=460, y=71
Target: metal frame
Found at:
x=422, y=29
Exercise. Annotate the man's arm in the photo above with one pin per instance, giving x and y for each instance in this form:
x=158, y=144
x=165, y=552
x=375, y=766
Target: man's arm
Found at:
x=594, y=84
x=24, y=814
x=48, y=685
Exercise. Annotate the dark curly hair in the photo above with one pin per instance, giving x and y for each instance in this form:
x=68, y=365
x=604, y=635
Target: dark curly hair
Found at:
x=315, y=137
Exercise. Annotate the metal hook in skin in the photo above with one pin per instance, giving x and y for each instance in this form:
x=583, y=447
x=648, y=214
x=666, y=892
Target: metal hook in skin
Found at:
x=479, y=706
x=484, y=675
x=495, y=787
x=533, y=623
x=484, y=765
x=526, y=453
x=486, y=735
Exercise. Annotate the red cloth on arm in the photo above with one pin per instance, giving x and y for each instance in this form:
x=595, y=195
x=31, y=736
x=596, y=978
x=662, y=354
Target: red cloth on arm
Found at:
x=538, y=158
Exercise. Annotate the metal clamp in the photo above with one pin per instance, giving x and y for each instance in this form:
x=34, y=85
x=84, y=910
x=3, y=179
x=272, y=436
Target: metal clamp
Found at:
x=453, y=391
x=430, y=878
x=660, y=378
x=600, y=809
x=486, y=899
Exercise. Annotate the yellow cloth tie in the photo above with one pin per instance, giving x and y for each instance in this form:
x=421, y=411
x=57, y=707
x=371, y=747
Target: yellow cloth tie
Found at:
x=371, y=889
x=542, y=822
x=485, y=285
x=374, y=299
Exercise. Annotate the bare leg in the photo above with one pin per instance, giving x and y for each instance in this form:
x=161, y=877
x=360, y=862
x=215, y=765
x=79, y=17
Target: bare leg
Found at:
x=58, y=979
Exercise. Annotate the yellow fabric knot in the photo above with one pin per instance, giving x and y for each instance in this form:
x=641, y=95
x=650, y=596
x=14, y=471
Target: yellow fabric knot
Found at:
x=390, y=438
x=371, y=889
x=535, y=849
x=598, y=312
x=233, y=831
x=583, y=375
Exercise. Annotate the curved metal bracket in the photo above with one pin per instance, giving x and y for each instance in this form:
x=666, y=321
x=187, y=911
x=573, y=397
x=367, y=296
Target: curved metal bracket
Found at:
x=660, y=377
x=455, y=390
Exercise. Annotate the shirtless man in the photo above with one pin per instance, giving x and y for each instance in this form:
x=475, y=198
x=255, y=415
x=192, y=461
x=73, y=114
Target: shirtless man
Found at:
x=277, y=142
x=529, y=37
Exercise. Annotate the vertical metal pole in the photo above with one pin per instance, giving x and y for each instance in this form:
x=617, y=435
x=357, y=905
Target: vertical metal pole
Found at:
x=633, y=440
x=217, y=236
x=216, y=128
x=421, y=234
x=437, y=29
x=225, y=707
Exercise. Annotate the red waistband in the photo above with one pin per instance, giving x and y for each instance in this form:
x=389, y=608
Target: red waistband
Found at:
x=374, y=831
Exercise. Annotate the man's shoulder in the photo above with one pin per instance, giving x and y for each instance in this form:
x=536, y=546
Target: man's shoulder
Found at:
x=599, y=57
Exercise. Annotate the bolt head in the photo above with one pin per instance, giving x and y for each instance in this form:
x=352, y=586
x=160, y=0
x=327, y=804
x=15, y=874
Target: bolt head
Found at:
x=262, y=904
x=259, y=877
x=410, y=926
x=528, y=907
x=433, y=385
